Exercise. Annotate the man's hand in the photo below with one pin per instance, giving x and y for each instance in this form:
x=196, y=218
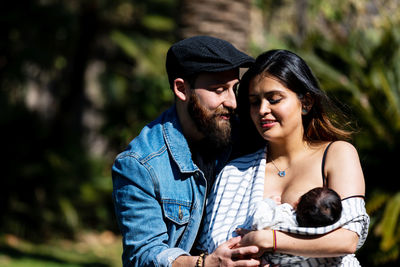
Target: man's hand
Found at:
x=228, y=254
x=255, y=238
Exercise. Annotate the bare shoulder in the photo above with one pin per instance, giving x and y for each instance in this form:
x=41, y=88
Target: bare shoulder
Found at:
x=339, y=147
x=343, y=169
x=341, y=154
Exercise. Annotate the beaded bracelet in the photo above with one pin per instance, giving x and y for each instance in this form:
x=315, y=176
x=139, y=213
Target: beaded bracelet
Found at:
x=201, y=259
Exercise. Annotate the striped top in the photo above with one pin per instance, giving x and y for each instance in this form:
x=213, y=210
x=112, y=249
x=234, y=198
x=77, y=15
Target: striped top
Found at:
x=240, y=186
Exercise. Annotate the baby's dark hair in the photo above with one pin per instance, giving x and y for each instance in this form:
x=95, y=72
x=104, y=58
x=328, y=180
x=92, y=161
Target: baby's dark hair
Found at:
x=320, y=206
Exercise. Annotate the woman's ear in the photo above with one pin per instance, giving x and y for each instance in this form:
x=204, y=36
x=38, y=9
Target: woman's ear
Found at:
x=307, y=101
x=181, y=89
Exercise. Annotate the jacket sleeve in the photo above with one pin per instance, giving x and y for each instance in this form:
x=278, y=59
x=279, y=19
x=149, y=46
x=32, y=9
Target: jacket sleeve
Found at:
x=139, y=215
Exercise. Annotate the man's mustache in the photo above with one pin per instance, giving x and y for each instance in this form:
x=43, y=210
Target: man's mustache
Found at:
x=224, y=112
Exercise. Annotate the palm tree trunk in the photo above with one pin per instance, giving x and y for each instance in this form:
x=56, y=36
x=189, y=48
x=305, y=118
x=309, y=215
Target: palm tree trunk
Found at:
x=225, y=19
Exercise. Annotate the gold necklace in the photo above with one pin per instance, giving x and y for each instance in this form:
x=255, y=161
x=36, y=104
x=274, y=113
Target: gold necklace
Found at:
x=280, y=173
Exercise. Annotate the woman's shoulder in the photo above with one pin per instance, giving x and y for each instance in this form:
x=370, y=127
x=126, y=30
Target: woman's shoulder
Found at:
x=340, y=154
x=341, y=148
x=344, y=170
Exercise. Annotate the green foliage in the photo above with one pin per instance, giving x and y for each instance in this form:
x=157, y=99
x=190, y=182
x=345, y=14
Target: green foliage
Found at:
x=136, y=97
x=384, y=210
x=90, y=249
x=366, y=77
x=51, y=181
x=390, y=223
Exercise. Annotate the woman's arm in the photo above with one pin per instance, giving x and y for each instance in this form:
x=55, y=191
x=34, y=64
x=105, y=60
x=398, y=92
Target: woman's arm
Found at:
x=343, y=170
x=335, y=243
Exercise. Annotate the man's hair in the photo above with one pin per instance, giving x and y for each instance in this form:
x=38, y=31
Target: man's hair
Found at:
x=320, y=206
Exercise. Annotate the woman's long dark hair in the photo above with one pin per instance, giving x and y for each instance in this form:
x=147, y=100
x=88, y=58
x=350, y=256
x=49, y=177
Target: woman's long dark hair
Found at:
x=322, y=120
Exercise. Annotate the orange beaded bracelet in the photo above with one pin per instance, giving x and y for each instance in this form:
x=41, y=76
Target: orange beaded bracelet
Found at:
x=273, y=241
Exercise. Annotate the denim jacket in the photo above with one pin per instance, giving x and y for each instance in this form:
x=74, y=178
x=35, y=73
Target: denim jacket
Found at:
x=159, y=194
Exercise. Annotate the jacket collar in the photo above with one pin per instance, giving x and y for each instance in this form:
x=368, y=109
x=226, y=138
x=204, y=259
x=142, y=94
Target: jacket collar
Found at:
x=177, y=143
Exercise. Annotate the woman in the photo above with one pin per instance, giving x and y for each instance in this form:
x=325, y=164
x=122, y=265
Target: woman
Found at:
x=288, y=118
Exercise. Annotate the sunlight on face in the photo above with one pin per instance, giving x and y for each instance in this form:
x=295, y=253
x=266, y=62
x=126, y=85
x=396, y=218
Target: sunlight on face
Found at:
x=274, y=109
x=211, y=105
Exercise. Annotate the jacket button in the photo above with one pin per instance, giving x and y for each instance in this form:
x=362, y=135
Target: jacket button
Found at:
x=180, y=213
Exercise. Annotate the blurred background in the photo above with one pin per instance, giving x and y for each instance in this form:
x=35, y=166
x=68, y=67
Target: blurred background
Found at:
x=80, y=78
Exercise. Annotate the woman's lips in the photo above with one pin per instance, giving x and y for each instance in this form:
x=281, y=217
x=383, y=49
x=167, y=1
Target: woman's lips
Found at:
x=267, y=123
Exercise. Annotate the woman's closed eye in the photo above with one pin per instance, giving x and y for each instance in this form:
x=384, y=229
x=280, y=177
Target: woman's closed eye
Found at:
x=272, y=100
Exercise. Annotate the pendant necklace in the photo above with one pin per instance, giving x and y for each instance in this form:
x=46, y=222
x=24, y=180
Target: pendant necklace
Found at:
x=280, y=173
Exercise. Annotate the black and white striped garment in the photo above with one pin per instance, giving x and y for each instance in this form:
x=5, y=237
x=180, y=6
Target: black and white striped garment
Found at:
x=240, y=186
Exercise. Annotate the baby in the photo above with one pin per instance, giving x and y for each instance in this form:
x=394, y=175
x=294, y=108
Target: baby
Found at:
x=318, y=207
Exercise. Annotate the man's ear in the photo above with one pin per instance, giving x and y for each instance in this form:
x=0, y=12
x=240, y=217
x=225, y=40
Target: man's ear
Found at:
x=181, y=89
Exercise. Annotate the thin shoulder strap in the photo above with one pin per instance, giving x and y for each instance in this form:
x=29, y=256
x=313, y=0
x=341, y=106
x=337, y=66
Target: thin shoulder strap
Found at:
x=323, y=164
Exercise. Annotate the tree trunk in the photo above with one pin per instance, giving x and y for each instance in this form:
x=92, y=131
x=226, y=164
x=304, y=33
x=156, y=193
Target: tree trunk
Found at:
x=301, y=20
x=225, y=19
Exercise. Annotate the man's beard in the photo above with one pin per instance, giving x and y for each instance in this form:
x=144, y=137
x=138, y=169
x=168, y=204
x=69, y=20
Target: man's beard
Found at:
x=217, y=132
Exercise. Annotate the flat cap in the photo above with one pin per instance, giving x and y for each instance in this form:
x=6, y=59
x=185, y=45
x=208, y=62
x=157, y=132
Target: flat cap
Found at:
x=203, y=54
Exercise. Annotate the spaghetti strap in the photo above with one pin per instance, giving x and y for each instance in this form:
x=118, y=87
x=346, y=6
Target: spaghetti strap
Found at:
x=323, y=164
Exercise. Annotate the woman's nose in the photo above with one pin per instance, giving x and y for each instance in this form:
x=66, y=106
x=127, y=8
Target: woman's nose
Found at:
x=264, y=107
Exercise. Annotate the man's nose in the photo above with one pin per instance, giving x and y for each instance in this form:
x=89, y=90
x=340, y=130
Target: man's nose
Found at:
x=230, y=99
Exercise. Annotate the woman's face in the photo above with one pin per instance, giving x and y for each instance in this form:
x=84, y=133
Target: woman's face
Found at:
x=274, y=109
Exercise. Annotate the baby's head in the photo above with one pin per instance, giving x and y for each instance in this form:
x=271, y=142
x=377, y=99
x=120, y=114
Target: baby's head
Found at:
x=320, y=206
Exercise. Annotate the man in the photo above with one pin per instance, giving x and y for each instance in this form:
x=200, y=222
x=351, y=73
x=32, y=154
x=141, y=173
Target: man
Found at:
x=161, y=180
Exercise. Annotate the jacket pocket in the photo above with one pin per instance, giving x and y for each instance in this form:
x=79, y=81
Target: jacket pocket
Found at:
x=176, y=211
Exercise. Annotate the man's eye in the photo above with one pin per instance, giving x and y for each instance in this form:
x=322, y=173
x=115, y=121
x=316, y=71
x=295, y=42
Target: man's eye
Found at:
x=236, y=88
x=218, y=90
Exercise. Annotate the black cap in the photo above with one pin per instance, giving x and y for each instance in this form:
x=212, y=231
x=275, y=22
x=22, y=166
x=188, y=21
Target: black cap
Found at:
x=203, y=54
